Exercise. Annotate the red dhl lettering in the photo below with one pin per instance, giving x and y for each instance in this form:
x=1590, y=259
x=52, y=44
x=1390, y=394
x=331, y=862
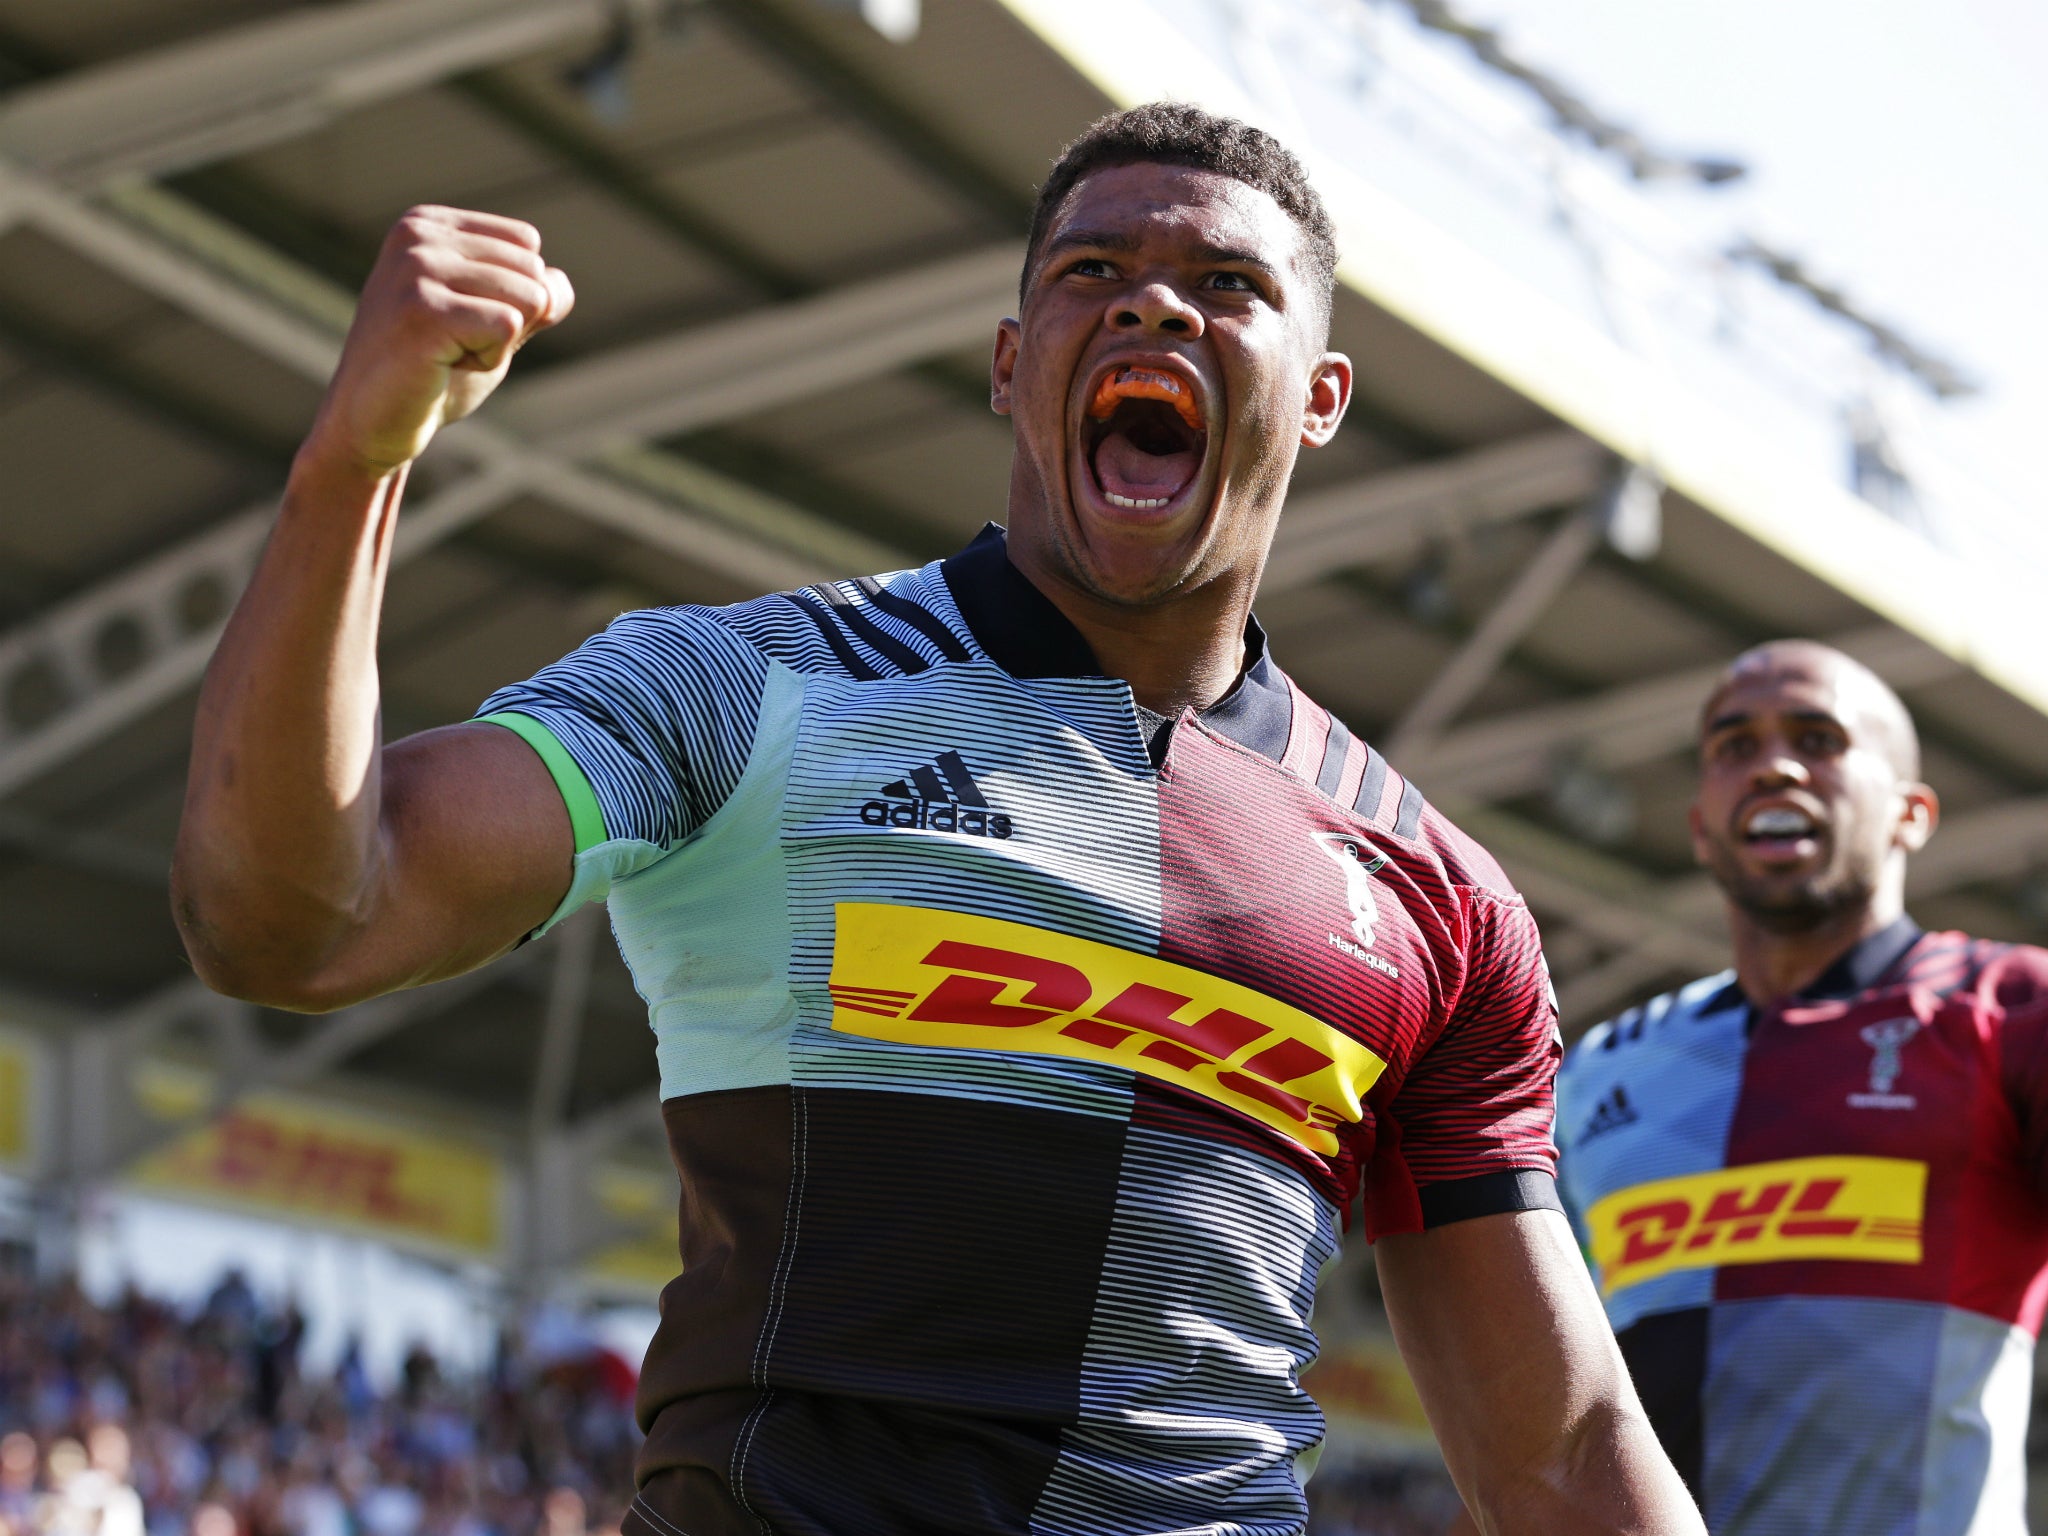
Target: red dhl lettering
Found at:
x=1859, y=1208
x=307, y=1168
x=950, y=978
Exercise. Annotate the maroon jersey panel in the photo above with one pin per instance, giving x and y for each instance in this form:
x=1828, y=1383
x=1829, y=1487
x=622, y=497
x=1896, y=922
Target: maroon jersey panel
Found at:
x=1416, y=947
x=1929, y=1068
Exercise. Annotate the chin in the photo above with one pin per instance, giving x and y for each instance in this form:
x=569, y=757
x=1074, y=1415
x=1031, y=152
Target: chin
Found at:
x=1131, y=570
x=1792, y=907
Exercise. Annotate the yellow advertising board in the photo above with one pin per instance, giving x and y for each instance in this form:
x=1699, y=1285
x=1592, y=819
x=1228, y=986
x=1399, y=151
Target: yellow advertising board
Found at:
x=282, y=1156
x=17, y=1103
x=644, y=1203
x=1363, y=1387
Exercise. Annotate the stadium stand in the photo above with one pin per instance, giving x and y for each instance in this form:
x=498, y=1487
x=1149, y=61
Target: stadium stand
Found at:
x=130, y=1418
x=791, y=229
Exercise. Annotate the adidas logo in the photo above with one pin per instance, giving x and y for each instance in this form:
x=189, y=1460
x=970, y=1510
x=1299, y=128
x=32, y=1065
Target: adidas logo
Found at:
x=939, y=796
x=1610, y=1114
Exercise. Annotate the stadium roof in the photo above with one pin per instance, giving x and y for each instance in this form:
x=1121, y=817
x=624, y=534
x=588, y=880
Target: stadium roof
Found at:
x=791, y=236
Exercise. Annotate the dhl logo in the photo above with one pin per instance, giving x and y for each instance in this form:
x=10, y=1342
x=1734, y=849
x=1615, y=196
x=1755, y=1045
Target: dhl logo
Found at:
x=1866, y=1208
x=921, y=976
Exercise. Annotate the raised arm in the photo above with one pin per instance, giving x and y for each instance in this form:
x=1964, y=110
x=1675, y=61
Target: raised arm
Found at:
x=314, y=866
x=1524, y=1384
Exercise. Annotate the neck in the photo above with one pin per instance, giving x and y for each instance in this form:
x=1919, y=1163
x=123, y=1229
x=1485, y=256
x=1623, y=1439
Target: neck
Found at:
x=1182, y=652
x=1771, y=966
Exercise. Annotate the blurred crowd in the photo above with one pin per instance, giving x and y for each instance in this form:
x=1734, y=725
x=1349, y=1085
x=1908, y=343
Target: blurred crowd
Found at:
x=138, y=1419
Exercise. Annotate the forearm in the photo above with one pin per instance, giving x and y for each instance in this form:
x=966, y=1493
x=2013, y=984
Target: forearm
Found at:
x=1605, y=1476
x=1524, y=1384
x=280, y=850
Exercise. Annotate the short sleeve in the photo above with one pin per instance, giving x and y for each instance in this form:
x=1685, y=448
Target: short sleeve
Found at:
x=646, y=729
x=1469, y=1129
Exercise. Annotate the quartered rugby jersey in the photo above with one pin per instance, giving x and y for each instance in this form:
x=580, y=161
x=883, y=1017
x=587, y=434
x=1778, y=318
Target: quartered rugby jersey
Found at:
x=1822, y=1233
x=1018, y=1083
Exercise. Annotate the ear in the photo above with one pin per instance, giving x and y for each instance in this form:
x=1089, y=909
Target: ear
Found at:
x=1002, y=367
x=1696, y=825
x=1919, y=816
x=1329, y=392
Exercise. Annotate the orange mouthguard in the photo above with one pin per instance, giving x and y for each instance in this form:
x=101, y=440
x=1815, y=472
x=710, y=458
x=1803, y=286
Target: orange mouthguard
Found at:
x=1144, y=384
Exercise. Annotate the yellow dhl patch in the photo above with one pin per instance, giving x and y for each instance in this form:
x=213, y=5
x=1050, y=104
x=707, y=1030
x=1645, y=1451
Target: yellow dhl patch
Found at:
x=922, y=976
x=1865, y=1208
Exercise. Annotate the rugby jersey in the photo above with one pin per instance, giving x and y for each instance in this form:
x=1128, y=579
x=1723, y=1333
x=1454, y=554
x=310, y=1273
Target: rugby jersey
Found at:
x=1821, y=1229
x=1019, y=1085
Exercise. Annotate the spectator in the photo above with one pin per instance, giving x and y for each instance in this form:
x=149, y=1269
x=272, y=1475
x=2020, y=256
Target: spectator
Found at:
x=20, y=1460
x=131, y=1419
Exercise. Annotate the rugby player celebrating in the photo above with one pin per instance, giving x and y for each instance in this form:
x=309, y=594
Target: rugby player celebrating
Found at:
x=1036, y=975
x=1817, y=1186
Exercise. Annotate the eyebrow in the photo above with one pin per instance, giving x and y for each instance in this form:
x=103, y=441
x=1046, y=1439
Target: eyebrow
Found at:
x=1123, y=242
x=1729, y=722
x=1097, y=239
x=1232, y=254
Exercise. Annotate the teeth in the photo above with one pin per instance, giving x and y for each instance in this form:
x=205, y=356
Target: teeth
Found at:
x=1780, y=823
x=1133, y=503
x=1144, y=384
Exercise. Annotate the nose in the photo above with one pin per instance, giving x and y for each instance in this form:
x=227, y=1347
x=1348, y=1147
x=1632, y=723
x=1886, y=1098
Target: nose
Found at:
x=1155, y=305
x=1776, y=766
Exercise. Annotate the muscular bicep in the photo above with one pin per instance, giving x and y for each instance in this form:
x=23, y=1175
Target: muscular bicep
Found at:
x=1522, y=1380
x=476, y=852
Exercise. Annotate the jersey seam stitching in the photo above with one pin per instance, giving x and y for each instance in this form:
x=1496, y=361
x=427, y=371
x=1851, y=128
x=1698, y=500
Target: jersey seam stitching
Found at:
x=655, y=1517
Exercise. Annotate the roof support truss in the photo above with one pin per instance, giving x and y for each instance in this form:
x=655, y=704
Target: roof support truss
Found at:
x=1512, y=754
x=1386, y=515
x=1512, y=616
x=175, y=604
x=231, y=92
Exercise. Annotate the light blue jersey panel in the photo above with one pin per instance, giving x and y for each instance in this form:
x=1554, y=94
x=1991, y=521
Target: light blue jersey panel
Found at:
x=1974, y=1479
x=1813, y=1446
x=705, y=931
x=1648, y=1096
x=1078, y=854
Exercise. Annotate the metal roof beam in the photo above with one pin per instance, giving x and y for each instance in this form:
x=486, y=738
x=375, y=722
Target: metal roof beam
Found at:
x=1512, y=754
x=1400, y=510
x=790, y=351
x=1993, y=843
x=173, y=606
x=118, y=858
x=839, y=81
x=230, y=92
x=1528, y=597
x=521, y=109
x=100, y=365
x=1614, y=902
x=163, y=619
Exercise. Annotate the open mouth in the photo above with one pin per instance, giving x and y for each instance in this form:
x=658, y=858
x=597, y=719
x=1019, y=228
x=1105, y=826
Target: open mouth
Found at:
x=1144, y=438
x=1781, y=832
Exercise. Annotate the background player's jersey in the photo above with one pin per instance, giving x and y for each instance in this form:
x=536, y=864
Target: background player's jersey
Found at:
x=1821, y=1233
x=1017, y=1083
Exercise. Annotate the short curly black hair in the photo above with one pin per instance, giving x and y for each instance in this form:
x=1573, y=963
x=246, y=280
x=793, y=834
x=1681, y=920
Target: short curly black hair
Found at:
x=1176, y=133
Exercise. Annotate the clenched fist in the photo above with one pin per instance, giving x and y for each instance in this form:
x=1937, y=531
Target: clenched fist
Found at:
x=453, y=295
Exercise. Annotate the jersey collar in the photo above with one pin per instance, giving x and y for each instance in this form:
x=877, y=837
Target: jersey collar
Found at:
x=1865, y=963
x=1021, y=630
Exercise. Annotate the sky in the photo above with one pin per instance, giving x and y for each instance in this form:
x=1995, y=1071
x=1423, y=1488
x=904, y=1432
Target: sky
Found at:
x=1899, y=146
